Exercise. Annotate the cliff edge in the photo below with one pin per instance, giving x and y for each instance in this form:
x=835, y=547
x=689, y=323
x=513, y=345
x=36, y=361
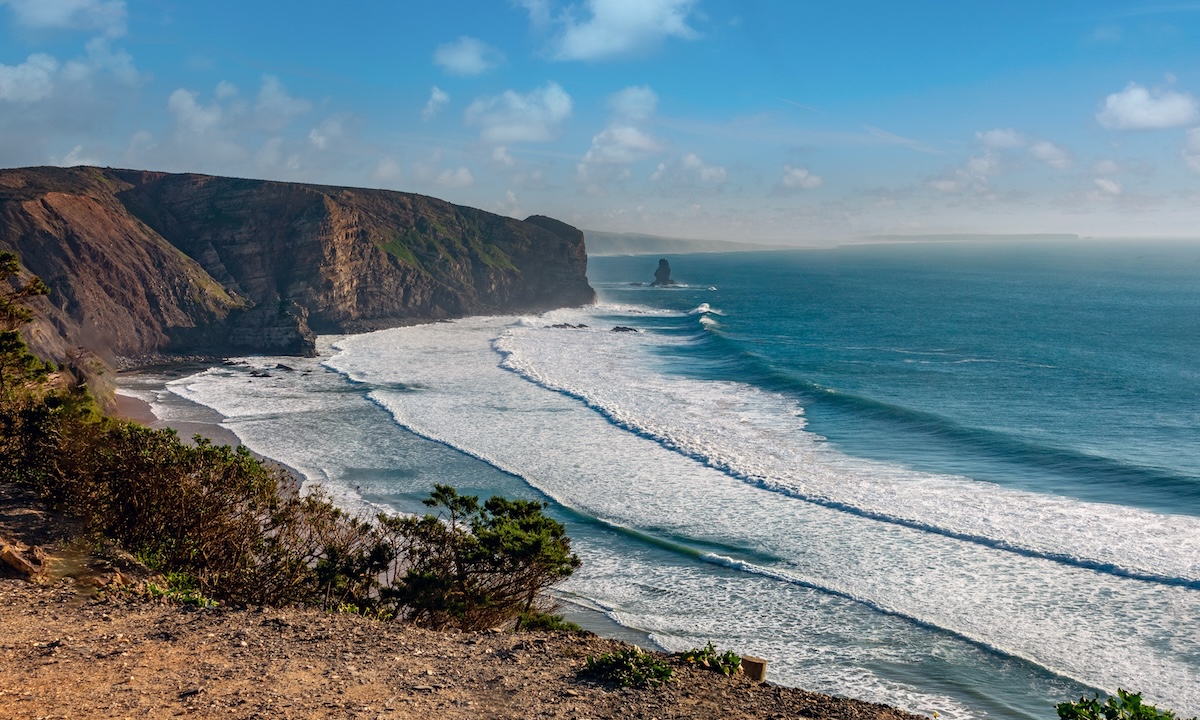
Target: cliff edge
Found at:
x=143, y=263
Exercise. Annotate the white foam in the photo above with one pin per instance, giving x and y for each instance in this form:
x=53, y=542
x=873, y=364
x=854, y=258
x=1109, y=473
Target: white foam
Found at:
x=760, y=437
x=1102, y=629
x=798, y=583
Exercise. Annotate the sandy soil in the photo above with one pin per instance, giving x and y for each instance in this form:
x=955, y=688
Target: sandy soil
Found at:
x=66, y=657
x=79, y=645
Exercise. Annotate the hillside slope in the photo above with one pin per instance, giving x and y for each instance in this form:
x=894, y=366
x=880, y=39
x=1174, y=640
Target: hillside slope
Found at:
x=142, y=263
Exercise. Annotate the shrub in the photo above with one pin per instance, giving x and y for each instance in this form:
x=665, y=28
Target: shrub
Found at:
x=535, y=620
x=181, y=589
x=726, y=663
x=476, y=566
x=629, y=668
x=1123, y=706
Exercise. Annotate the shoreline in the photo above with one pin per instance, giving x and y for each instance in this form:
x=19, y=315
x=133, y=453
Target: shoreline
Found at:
x=134, y=409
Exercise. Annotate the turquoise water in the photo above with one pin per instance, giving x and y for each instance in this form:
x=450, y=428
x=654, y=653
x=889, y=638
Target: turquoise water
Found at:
x=1068, y=369
x=958, y=479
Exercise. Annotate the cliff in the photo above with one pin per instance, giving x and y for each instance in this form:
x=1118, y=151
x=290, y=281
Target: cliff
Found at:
x=142, y=263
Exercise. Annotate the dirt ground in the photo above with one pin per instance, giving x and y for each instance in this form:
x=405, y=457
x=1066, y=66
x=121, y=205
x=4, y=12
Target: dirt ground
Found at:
x=77, y=646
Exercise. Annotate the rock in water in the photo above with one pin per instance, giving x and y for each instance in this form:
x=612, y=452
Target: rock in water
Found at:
x=662, y=276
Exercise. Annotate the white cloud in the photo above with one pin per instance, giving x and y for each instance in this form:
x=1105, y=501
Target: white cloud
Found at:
x=500, y=156
x=387, y=172
x=30, y=81
x=190, y=115
x=47, y=104
x=456, y=178
x=1191, y=150
x=75, y=157
x=621, y=145
x=1051, y=154
x=226, y=90
x=509, y=206
x=466, y=56
x=1105, y=167
x=1001, y=138
x=798, y=178
x=104, y=16
x=708, y=173
x=324, y=135
x=539, y=11
x=614, y=28
x=272, y=156
x=637, y=102
x=224, y=134
x=513, y=117
x=276, y=109
x=623, y=142
x=1138, y=108
x=438, y=99
x=1108, y=186
x=998, y=144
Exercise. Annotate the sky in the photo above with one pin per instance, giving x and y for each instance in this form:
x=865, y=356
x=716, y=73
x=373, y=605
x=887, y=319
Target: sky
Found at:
x=749, y=120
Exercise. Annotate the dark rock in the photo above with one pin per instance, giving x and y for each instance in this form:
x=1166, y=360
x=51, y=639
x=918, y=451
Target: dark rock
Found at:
x=285, y=368
x=662, y=276
x=622, y=328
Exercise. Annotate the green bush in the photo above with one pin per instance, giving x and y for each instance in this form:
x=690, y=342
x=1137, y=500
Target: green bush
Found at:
x=1123, y=706
x=181, y=589
x=536, y=620
x=475, y=566
x=629, y=668
x=726, y=663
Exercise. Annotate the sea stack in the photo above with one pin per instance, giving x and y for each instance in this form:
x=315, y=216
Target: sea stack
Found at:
x=662, y=276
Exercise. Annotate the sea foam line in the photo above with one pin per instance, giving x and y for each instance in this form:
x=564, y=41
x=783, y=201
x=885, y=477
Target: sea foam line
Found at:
x=704, y=556
x=513, y=363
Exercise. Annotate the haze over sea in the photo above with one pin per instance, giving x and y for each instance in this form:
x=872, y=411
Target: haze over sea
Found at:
x=961, y=478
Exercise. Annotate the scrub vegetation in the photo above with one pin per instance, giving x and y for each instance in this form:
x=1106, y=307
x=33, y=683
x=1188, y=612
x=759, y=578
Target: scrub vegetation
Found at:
x=224, y=526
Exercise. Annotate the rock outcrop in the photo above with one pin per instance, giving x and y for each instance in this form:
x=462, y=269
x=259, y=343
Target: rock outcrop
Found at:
x=142, y=263
x=662, y=275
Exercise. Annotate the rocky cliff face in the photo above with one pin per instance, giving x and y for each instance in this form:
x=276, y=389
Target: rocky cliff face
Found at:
x=141, y=262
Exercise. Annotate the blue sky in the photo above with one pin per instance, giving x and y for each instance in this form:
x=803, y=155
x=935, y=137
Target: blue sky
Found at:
x=805, y=122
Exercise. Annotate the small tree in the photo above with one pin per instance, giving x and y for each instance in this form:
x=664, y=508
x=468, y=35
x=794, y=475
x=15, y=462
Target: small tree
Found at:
x=18, y=366
x=13, y=313
x=476, y=566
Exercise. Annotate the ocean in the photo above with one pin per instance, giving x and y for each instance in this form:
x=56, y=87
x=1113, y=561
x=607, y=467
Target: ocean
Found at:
x=960, y=478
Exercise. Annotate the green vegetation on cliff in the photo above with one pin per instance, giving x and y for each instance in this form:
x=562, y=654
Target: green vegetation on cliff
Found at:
x=228, y=526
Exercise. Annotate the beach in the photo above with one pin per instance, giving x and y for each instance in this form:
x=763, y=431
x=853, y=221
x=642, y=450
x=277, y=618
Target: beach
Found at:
x=885, y=495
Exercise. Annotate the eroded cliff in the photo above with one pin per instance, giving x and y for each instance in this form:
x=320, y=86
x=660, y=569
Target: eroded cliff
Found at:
x=142, y=263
